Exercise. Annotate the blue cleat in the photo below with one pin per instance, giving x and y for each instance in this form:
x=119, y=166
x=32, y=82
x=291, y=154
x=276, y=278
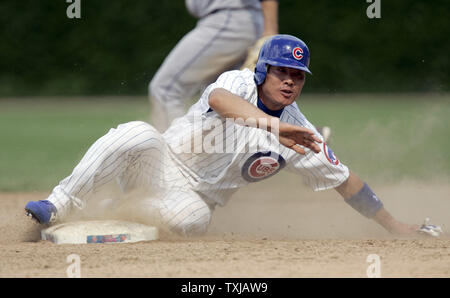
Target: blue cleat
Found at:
x=42, y=211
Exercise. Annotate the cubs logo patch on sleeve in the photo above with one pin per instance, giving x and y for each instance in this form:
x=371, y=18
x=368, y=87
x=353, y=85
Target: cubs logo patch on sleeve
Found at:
x=262, y=165
x=329, y=154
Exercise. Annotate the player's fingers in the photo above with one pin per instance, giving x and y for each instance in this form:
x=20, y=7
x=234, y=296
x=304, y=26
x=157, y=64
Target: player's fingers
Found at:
x=299, y=149
x=308, y=134
x=314, y=147
x=312, y=138
x=311, y=145
x=315, y=138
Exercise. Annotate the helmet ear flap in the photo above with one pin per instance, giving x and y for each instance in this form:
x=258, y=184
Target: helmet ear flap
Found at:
x=260, y=72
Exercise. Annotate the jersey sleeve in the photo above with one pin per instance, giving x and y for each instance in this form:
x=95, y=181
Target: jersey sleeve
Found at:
x=237, y=82
x=321, y=170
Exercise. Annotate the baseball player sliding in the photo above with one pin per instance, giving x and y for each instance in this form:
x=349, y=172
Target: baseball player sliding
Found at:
x=245, y=128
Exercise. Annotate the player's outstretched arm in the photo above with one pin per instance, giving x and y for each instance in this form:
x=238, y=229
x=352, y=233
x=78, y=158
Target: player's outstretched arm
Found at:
x=358, y=195
x=229, y=105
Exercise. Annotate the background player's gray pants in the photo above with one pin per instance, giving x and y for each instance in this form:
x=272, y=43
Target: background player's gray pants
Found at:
x=218, y=43
x=136, y=156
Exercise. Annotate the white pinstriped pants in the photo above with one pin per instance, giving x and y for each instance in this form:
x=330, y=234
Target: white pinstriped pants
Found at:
x=135, y=155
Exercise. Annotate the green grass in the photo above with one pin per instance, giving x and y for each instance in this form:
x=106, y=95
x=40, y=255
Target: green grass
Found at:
x=386, y=137
x=42, y=140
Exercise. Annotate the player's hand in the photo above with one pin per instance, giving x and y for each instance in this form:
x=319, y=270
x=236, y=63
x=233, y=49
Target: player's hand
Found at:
x=398, y=228
x=408, y=230
x=294, y=137
x=428, y=229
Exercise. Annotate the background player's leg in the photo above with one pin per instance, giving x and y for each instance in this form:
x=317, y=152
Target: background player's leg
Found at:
x=217, y=44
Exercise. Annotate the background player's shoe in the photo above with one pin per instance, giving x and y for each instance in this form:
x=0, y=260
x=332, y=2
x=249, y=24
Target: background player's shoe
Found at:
x=42, y=211
x=325, y=131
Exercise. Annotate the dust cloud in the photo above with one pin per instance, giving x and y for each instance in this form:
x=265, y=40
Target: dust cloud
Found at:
x=402, y=160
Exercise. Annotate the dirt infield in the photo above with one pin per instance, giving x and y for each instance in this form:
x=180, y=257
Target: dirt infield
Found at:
x=266, y=230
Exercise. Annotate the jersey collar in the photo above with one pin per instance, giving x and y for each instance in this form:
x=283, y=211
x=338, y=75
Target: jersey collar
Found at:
x=266, y=110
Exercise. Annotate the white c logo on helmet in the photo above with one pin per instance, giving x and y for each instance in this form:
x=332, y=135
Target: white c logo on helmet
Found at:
x=297, y=53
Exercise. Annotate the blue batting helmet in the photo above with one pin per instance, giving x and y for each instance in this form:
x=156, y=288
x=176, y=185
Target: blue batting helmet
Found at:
x=281, y=50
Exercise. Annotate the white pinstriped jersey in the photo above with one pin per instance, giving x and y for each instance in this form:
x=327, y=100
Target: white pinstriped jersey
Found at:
x=185, y=164
x=256, y=154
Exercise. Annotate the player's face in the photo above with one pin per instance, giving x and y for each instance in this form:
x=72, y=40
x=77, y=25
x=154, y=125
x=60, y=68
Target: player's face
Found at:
x=281, y=87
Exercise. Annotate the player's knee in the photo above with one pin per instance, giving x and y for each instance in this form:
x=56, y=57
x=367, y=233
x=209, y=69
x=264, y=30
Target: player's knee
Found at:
x=186, y=214
x=143, y=127
x=195, y=226
x=137, y=135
